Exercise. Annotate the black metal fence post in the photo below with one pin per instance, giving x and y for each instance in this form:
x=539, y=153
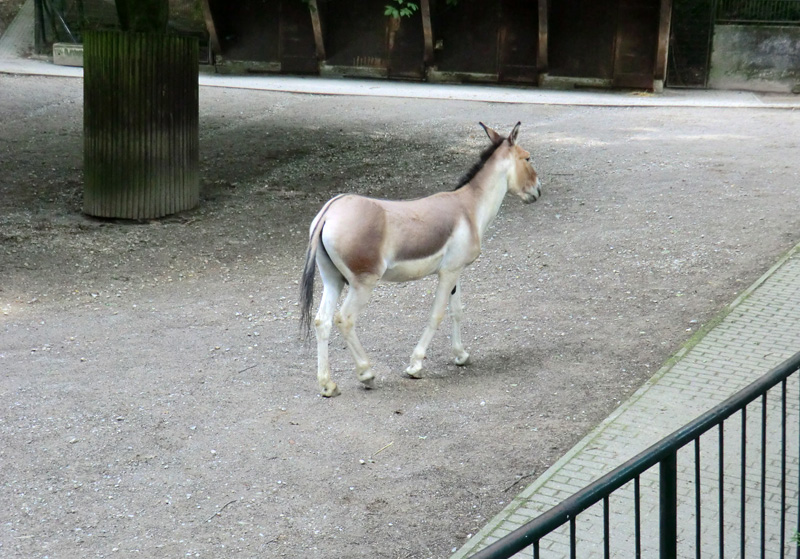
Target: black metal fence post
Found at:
x=668, y=506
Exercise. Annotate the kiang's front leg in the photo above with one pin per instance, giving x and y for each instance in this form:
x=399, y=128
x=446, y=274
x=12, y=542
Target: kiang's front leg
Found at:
x=447, y=281
x=456, y=314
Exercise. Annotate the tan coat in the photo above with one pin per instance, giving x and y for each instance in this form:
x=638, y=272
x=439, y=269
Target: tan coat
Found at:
x=359, y=241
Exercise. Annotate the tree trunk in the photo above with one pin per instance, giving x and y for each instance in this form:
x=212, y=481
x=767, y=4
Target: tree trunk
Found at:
x=140, y=124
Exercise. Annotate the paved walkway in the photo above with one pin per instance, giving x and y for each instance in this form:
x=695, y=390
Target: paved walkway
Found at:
x=451, y=92
x=17, y=41
x=757, y=332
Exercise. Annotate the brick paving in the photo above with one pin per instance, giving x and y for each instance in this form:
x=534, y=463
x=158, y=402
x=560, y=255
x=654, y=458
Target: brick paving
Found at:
x=757, y=332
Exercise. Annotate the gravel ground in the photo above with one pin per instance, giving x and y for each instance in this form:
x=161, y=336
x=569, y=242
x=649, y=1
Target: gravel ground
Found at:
x=159, y=403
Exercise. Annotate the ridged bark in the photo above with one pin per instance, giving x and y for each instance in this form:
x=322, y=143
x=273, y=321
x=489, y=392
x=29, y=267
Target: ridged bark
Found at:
x=141, y=156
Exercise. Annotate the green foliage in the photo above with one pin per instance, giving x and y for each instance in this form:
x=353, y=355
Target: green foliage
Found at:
x=401, y=8
x=796, y=538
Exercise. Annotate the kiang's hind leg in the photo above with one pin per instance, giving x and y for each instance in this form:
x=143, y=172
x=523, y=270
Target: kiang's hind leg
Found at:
x=354, y=302
x=447, y=281
x=333, y=282
x=456, y=314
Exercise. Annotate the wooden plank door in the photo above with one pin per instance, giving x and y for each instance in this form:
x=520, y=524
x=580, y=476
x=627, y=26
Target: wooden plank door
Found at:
x=518, y=39
x=636, y=43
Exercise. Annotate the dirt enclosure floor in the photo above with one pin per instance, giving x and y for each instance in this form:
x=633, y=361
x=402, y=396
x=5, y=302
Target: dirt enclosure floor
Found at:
x=156, y=398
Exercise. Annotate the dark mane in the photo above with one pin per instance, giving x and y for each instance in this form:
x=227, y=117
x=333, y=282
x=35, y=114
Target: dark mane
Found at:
x=475, y=169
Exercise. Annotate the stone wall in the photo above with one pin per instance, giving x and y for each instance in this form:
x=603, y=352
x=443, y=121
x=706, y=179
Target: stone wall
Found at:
x=756, y=58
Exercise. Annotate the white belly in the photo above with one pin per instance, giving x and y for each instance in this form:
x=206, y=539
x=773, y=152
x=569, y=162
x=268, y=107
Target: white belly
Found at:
x=458, y=251
x=409, y=270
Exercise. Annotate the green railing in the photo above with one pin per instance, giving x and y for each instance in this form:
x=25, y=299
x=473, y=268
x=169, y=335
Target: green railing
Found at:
x=664, y=454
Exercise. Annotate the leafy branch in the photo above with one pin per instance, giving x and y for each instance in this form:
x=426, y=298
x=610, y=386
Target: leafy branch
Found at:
x=406, y=8
x=401, y=8
x=397, y=8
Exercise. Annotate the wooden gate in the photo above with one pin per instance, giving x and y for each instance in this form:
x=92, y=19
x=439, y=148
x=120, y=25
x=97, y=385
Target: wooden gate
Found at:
x=636, y=41
x=360, y=40
x=605, y=43
x=477, y=40
x=262, y=35
x=617, y=43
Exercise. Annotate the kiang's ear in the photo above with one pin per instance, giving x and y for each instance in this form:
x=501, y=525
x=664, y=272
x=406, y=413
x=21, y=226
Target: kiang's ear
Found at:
x=512, y=138
x=493, y=136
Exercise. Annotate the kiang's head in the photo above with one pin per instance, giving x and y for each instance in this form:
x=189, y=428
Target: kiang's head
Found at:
x=522, y=177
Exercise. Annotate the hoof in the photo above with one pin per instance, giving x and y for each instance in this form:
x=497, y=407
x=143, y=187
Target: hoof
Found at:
x=366, y=376
x=330, y=390
x=369, y=383
x=414, y=371
x=462, y=360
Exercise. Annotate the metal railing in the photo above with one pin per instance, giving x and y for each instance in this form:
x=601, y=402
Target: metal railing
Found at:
x=761, y=12
x=665, y=455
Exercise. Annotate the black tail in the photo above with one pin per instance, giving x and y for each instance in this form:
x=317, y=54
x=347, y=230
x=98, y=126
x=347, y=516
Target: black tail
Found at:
x=307, y=286
x=309, y=270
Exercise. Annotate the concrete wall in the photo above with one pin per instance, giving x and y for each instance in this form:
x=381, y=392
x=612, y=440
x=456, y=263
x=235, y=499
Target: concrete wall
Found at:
x=756, y=58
